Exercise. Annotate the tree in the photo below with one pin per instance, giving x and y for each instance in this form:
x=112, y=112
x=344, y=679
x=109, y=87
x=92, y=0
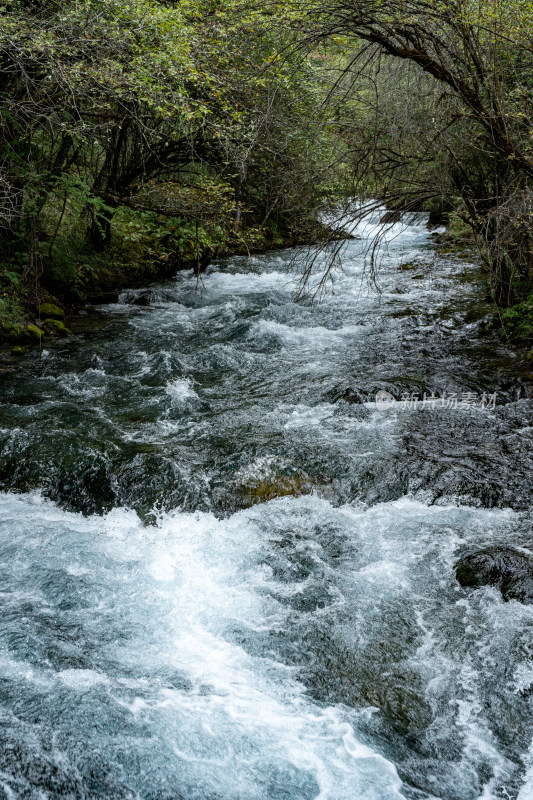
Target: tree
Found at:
x=480, y=55
x=156, y=108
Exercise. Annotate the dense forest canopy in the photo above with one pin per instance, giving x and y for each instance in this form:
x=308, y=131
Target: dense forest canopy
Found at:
x=170, y=130
x=141, y=136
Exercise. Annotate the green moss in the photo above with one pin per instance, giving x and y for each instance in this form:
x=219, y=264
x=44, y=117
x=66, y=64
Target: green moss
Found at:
x=466, y=575
x=13, y=333
x=18, y=351
x=55, y=327
x=277, y=485
x=34, y=332
x=51, y=311
x=407, y=266
x=20, y=334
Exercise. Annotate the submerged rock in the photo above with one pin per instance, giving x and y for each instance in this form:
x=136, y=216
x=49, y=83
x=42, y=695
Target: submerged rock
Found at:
x=390, y=217
x=509, y=570
x=276, y=485
x=408, y=265
x=397, y=387
x=51, y=311
x=55, y=326
x=141, y=300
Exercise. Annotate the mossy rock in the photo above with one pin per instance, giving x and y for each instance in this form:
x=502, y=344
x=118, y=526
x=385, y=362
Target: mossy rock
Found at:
x=277, y=485
x=13, y=333
x=407, y=266
x=509, y=570
x=390, y=217
x=21, y=334
x=51, y=311
x=418, y=277
x=18, y=351
x=55, y=327
x=34, y=332
x=437, y=218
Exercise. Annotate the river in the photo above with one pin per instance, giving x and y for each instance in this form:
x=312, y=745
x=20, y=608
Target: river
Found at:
x=226, y=573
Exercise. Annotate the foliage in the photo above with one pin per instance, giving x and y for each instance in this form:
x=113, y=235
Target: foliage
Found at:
x=517, y=321
x=442, y=113
x=179, y=128
x=11, y=312
x=146, y=135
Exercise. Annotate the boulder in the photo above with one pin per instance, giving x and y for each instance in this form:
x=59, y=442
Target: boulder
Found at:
x=408, y=265
x=34, y=332
x=518, y=587
x=51, y=311
x=141, y=300
x=55, y=327
x=390, y=217
x=13, y=333
x=438, y=218
x=274, y=486
x=508, y=569
x=22, y=334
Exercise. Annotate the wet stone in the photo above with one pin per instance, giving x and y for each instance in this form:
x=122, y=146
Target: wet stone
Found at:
x=51, y=311
x=509, y=570
x=55, y=327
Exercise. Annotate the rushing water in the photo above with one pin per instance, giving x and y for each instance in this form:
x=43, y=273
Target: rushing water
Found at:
x=226, y=574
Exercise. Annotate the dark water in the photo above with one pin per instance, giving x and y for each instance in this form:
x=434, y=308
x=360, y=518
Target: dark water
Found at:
x=226, y=574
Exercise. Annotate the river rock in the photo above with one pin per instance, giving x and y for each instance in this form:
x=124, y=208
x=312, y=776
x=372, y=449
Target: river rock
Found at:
x=13, y=333
x=437, y=218
x=55, y=326
x=18, y=351
x=51, y=311
x=390, y=217
x=275, y=485
x=141, y=300
x=34, y=332
x=22, y=334
x=509, y=570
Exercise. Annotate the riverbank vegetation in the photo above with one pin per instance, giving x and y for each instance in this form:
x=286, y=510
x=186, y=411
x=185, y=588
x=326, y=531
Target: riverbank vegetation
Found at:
x=140, y=137
x=443, y=121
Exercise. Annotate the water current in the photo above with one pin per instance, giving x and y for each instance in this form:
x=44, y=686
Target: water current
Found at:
x=226, y=573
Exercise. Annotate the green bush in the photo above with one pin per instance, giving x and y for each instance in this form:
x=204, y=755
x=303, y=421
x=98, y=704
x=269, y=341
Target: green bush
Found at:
x=517, y=321
x=11, y=312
